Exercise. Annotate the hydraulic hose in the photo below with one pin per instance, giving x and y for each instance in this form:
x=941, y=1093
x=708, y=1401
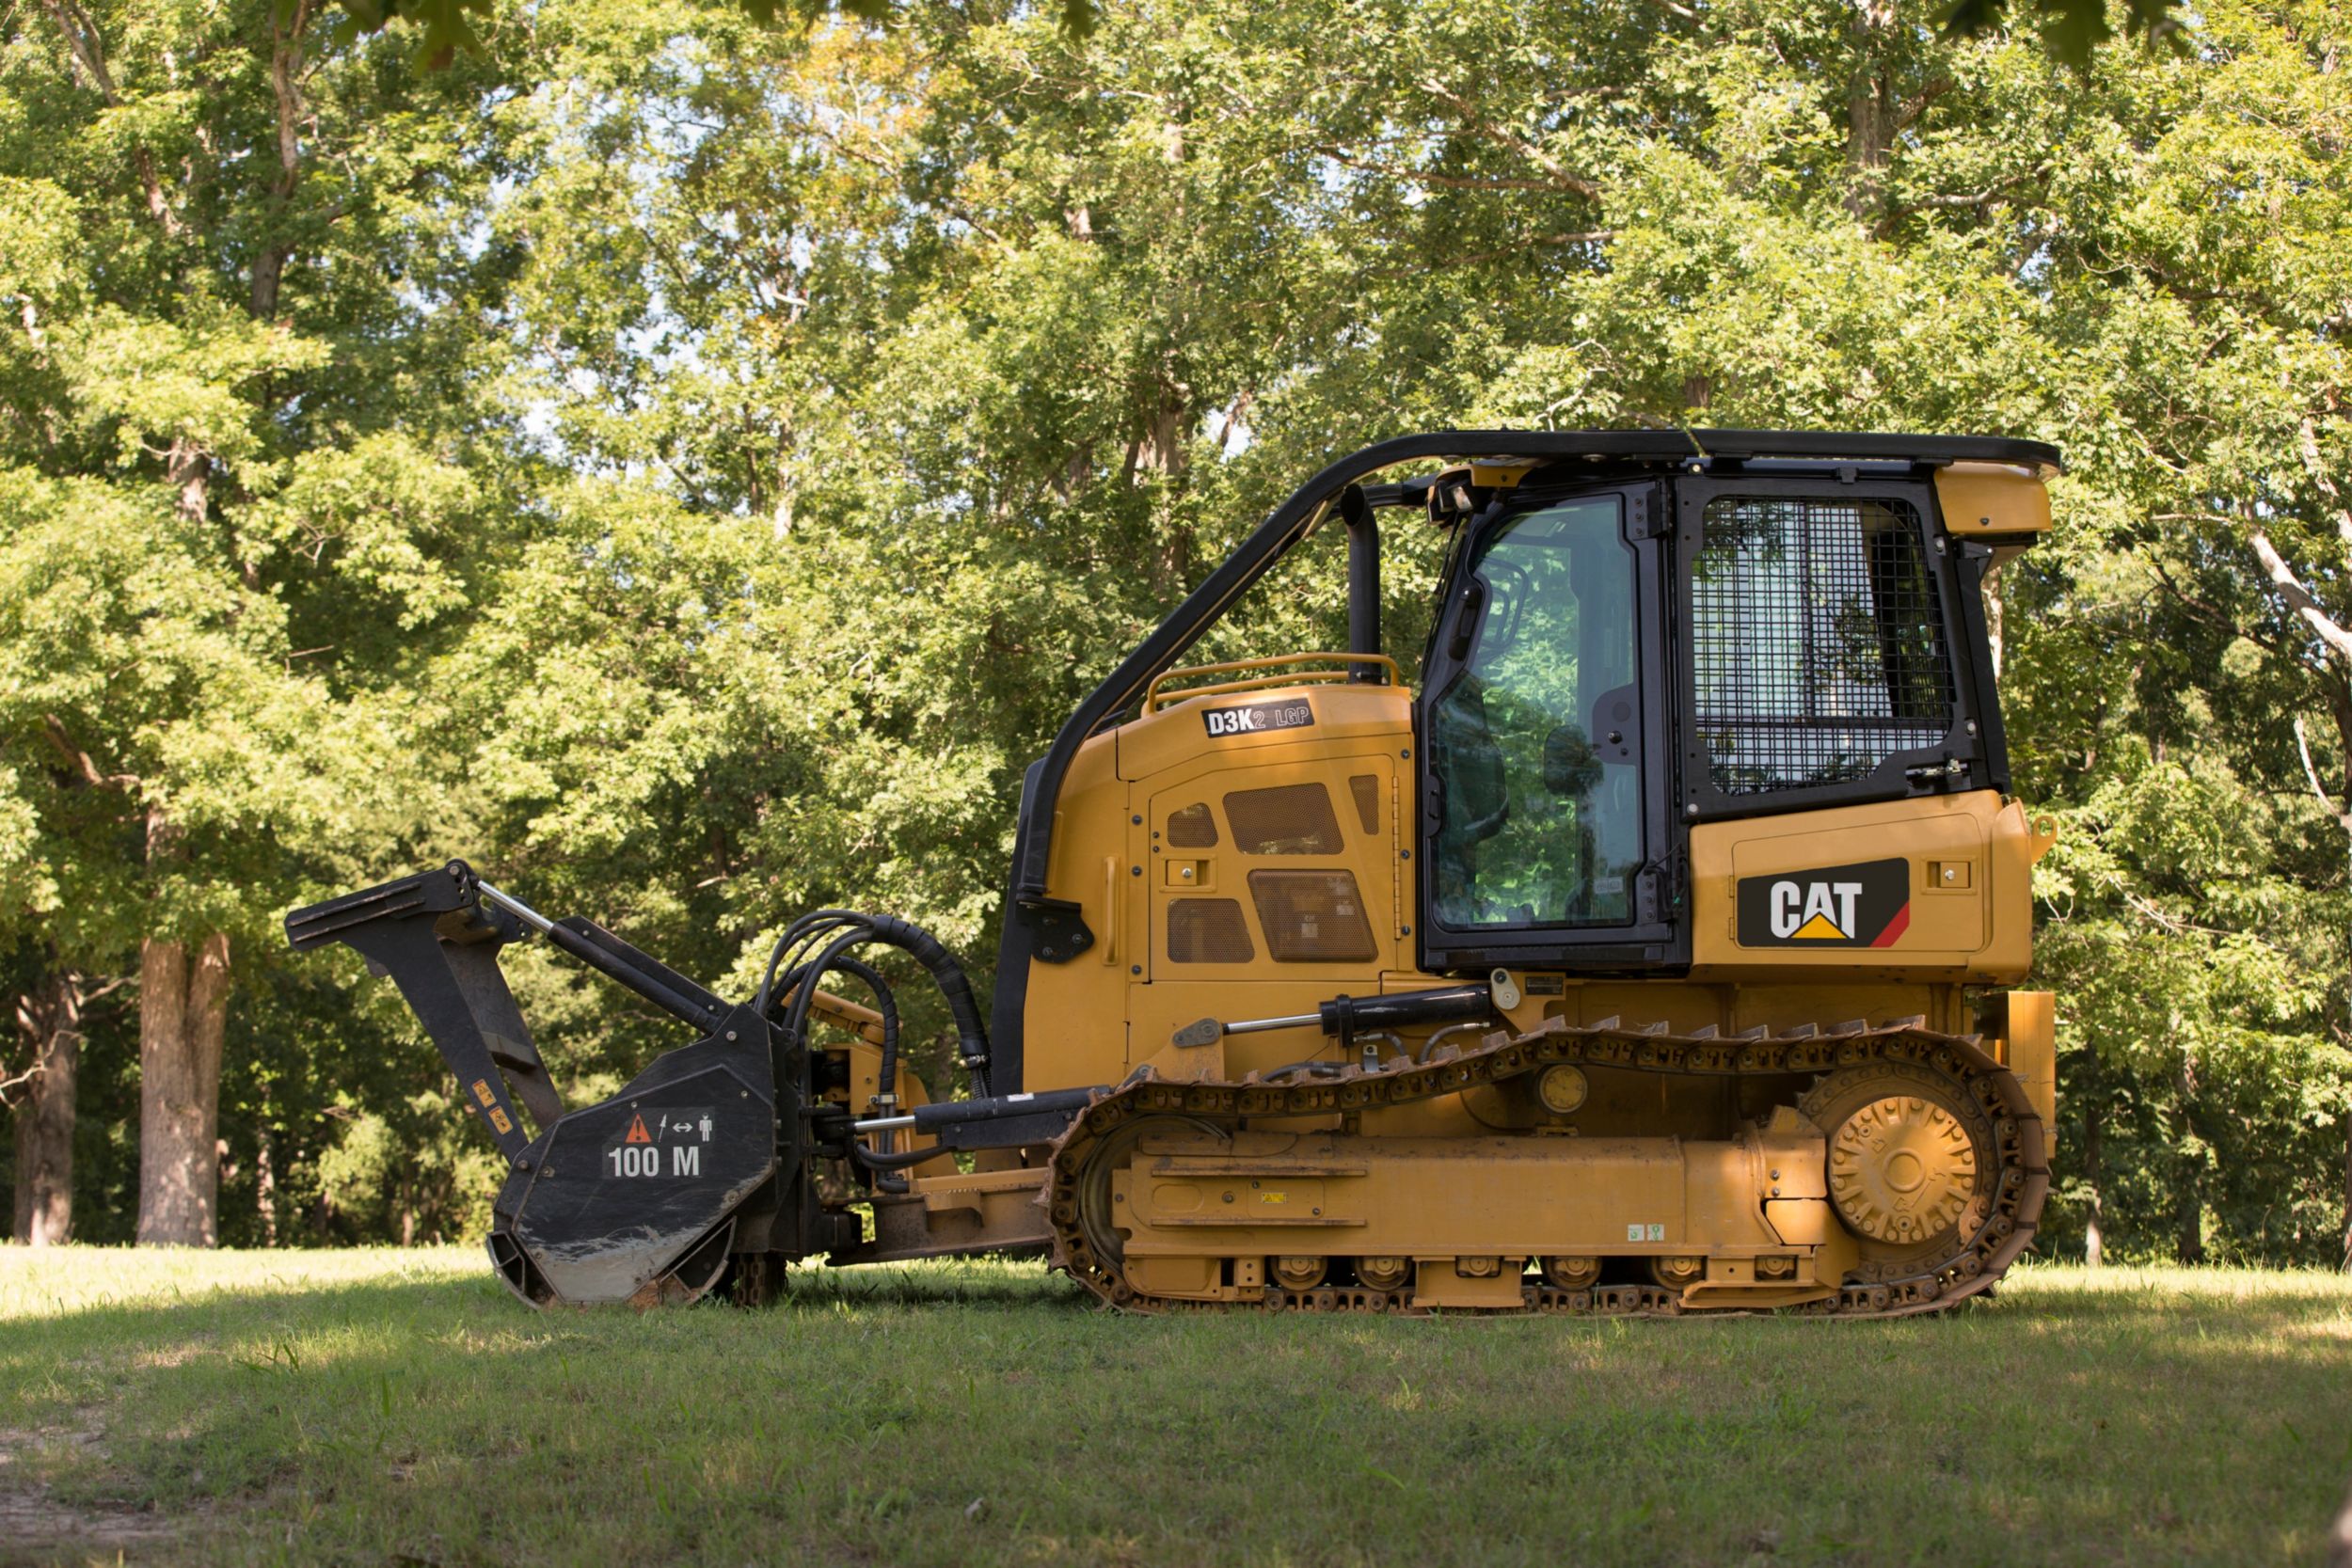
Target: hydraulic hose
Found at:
x=842, y=929
x=954, y=987
x=886, y=1004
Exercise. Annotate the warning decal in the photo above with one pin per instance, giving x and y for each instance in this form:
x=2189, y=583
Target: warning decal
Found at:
x=1863, y=905
x=661, y=1142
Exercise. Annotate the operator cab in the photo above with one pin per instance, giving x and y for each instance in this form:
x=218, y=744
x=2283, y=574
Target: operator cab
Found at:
x=1617, y=663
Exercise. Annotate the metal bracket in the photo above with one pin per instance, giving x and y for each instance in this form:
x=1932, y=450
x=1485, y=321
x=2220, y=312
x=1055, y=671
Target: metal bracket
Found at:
x=1058, y=928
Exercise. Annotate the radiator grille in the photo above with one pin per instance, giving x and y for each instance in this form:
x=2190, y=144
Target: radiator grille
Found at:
x=1312, y=916
x=1192, y=827
x=1286, y=819
x=1817, y=643
x=1208, y=931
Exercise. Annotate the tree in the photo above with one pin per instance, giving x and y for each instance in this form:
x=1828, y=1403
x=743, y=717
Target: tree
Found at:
x=234, y=446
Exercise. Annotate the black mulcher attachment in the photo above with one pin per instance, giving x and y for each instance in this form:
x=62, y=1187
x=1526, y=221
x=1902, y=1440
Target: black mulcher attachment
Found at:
x=643, y=1197
x=708, y=1160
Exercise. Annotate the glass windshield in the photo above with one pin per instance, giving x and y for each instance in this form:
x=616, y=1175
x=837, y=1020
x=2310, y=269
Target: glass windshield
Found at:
x=1534, y=743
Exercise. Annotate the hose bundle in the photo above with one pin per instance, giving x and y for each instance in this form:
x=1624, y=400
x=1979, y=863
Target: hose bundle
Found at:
x=820, y=943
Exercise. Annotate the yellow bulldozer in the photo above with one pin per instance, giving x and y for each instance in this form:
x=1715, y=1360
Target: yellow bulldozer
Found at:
x=1653, y=957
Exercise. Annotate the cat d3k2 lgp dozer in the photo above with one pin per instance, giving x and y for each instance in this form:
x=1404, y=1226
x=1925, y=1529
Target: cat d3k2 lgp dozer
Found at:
x=1651, y=958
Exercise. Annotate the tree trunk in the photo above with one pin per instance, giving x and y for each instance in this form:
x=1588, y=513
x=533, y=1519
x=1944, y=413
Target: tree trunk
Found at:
x=2094, y=1241
x=183, y=1011
x=2188, y=1214
x=1870, y=109
x=266, y=1177
x=50, y=1020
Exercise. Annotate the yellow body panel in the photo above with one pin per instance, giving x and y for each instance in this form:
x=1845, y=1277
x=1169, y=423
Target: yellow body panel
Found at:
x=1117, y=1007
x=1122, y=1005
x=1458, y=1205
x=1996, y=499
x=1971, y=906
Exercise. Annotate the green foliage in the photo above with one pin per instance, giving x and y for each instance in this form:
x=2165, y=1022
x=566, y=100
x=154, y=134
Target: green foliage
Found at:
x=688, y=468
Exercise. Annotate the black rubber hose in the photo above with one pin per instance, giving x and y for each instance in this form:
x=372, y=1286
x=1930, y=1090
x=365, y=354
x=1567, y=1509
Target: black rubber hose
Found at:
x=802, y=932
x=954, y=986
x=886, y=1004
x=899, y=1161
x=805, y=991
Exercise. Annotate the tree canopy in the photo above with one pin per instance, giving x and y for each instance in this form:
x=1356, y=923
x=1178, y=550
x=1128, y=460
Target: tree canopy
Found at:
x=689, y=466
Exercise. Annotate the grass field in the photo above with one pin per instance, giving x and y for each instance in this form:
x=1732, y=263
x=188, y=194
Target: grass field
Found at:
x=399, y=1408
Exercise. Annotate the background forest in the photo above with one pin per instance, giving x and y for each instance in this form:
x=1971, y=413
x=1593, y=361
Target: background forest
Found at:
x=688, y=466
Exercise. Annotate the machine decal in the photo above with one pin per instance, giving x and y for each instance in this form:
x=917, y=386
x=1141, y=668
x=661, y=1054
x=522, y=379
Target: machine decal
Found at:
x=1863, y=905
x=1645, y=1232
x=664, y=1142
x=1257, y=717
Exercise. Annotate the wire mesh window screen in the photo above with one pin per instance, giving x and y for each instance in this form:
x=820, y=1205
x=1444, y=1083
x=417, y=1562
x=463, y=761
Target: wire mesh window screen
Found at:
x=1192, y=827
x=1312, y=916
x=1208, y=931
x=1816, y=642
x=1366, y=788
x=1284, y=819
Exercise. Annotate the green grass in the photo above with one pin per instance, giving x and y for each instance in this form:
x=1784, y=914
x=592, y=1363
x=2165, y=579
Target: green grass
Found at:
x=398, y=1407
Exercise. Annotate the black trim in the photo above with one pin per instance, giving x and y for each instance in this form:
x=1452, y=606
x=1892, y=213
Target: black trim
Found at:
x=1364, y=582
x=1659, y=933
x=1975, y=559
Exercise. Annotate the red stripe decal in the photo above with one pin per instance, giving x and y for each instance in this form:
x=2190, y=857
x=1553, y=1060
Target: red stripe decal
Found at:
x=1895, y=927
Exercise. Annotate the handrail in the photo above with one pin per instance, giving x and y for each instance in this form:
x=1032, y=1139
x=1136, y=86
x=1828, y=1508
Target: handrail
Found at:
x=1255, y=683
x=1274, y=662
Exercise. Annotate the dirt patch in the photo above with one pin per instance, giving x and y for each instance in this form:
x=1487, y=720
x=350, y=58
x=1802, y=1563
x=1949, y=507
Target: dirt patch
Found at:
x=35, y=1527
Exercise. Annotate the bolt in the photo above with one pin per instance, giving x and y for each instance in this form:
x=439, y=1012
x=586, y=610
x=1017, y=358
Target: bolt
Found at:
x=1403, y=854
x=1228, y=1198
x=1135, y=871
x=730, y=1033
x=1134, y=969
x=1407, y=753
x=1138, y=820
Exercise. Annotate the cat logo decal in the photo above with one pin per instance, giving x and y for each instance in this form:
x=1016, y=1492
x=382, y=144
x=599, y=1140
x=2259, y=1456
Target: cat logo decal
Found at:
x=1866, y=905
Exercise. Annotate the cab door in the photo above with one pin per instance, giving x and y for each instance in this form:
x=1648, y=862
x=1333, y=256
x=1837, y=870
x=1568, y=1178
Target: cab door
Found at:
x=1547, y=834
